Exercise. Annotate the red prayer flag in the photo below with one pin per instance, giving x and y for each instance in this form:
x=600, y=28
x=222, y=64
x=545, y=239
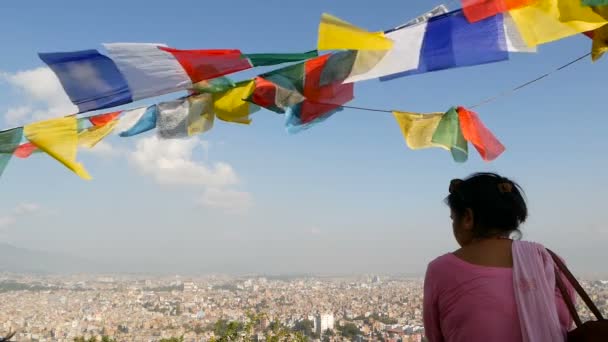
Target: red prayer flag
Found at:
x=264, y=93
x=479, y=135
x=203, y=65
x=25, y=150
x=476, y=10
x=322, y=99
x=103, y=119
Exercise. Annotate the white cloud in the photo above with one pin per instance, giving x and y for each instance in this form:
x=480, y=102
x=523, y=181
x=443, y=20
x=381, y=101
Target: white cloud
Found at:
x=104, y=149
x=26, y=208
x=315, y=230
x=22, y=209
x=42, y=93
x=170, y=162
x=227, y=200
x=6, y=221
x=18, y=115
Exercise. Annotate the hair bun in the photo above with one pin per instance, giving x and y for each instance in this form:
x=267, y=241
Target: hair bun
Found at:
x=454, y=185
x=505, y=186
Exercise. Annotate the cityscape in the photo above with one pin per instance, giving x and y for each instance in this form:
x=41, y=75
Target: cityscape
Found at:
x=219, y=308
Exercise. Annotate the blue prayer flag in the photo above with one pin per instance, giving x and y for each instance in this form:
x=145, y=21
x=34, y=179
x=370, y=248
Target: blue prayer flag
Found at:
x=451, y=41
x=91, y=80
x=143, y=122
x=293, y=121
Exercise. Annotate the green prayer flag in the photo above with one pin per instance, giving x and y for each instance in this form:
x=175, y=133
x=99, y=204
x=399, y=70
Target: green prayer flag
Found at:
x=9, y=141
x=212, y=86
x=83, y=123
x=449, y=136
x=265, y=59
x=338, y=67
x=595, y=2
x=290, y=77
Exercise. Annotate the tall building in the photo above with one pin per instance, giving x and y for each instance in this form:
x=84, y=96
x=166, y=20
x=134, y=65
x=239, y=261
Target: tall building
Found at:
x=189, y=286
x=323, y=322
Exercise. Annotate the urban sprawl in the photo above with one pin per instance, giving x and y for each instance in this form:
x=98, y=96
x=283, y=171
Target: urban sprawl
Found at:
x=138, y=308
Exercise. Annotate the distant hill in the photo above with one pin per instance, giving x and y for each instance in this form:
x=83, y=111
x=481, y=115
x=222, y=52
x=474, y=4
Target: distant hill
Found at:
x=21, y=260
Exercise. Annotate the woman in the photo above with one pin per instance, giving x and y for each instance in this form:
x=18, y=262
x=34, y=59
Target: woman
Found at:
x=493, y=288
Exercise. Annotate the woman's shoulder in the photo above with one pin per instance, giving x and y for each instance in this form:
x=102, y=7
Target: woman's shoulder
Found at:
x=441, y=262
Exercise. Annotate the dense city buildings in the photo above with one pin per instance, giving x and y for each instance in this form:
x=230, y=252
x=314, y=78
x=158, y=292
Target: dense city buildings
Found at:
x=138, y=308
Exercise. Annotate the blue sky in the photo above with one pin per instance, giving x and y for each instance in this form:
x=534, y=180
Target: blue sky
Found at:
x=345, y=196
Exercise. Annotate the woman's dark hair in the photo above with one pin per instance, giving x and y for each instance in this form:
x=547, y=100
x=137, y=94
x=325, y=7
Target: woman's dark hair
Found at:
x=497, y=203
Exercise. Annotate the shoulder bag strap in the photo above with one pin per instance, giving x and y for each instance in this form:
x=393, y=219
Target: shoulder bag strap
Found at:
x=577, y=286
x=567, y=299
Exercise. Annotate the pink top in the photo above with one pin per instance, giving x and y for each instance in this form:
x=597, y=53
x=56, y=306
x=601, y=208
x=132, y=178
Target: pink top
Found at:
x=467, y=302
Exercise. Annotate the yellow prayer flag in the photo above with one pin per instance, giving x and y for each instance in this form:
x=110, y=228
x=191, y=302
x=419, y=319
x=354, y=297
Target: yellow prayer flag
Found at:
x=92, y=135
x=548, y=20
x=336, y=34
x=600, y=35
x=418, y=129
x=230, y=106
x=600, y=43
x=201, y=115
x=365, y=61
x=59, y=139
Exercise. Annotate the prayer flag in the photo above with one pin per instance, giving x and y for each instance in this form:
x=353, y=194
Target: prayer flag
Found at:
x=339, y=66
x=185, y=117
x=418, y=129
x=215, y=85
x=266, y=59
x=172, y=119
x=450, y=41
x=299, y=91
x=9, y=141
x=335, y=34
x=544, y=21
x=595, y=2
x=273, y=97
x=437, y=10
x=207, y=64
x=92, y=135
x=59, y=139
x=293, y=118
x=600, y=43
x=91, y=80
x=449, y=136
x=599, y=36
x=321, y=99
x=515, y=42
x=476, y=10
x=104, y=119
x=460, y=44
x=290, y=77
x=479, y=135
x=136, y=121
x=404, y=56
x=231, y=105
x=25, y=150
x=201, y=115
x=149, y=71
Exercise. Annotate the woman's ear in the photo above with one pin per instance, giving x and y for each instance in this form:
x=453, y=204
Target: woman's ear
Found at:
x=468, y=219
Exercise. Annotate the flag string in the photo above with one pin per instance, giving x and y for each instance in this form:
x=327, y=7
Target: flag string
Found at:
x=491, y=98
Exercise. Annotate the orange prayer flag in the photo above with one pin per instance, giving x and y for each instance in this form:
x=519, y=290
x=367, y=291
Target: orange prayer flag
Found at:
x=25, y=150
x=476, y=10
x=479, y=135
x=103, y=119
